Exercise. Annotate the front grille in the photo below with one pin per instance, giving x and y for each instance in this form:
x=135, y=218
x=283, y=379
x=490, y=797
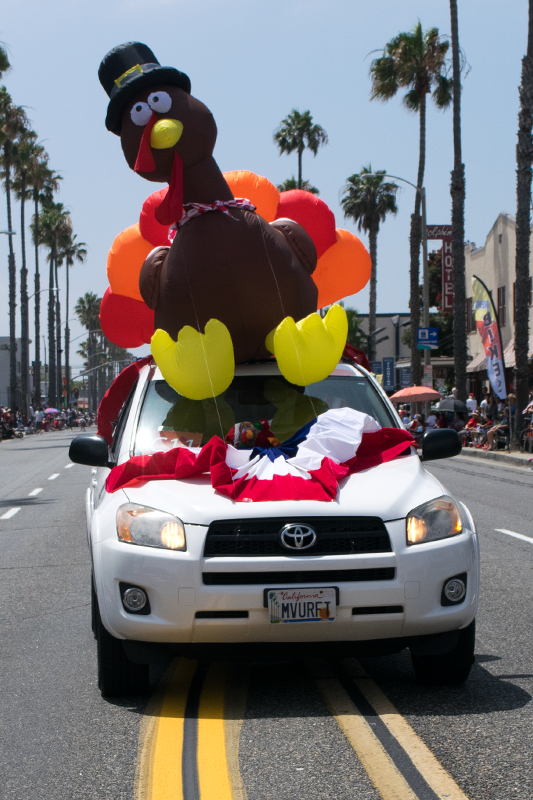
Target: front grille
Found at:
x=325, y=576
x=260, y=537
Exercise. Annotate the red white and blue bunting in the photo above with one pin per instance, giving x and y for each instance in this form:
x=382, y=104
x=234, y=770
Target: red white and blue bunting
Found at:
x=338, y=443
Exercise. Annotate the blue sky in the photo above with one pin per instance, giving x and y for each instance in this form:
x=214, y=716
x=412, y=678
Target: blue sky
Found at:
x=251, y=62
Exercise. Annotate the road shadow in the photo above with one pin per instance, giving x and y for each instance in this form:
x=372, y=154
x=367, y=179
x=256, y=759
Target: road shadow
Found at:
x=24, y=501
x=482, y=693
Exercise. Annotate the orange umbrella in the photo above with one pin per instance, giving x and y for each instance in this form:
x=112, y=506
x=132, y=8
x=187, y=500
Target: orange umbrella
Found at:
x=413, y=394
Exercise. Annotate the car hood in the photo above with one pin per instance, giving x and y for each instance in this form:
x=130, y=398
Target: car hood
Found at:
x=388, y=491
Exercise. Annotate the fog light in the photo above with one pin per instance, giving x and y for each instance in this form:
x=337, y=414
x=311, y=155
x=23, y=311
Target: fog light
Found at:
x=454, y=590
x=134, y=599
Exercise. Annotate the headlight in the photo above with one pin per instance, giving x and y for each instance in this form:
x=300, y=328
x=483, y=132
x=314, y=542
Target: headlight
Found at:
x=437, y=519
x=150, y=527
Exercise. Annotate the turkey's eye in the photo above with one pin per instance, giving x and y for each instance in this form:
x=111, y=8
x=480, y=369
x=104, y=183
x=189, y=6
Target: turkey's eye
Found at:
x=140, y=113
x=160, y=102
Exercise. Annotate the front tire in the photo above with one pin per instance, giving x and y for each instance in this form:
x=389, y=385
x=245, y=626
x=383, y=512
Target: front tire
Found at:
x=117, y=675
x=448, y=669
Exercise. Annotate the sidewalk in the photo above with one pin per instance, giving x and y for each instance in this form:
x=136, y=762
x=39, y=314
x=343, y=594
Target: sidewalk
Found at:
x=515, y=459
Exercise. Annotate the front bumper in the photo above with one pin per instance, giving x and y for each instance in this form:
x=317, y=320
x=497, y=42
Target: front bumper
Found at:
x=175, y=586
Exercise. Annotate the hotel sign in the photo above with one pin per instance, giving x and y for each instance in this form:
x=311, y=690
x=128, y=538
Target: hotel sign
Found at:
x=444, y=232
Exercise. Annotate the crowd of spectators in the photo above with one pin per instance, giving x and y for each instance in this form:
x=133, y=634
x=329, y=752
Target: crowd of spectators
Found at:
x=485, y=427
x=14, y=423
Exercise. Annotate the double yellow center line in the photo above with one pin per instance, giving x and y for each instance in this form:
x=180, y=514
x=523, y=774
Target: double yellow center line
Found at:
x=189, y=740
x=189, y=737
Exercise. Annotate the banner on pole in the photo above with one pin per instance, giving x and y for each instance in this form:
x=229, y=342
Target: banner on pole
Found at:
x=489, y=329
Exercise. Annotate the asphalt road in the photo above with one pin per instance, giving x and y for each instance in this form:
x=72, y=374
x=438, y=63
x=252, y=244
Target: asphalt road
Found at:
x=60, y=739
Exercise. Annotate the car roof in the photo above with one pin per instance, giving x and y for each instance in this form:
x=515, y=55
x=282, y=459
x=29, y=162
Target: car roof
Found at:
x=271, y=368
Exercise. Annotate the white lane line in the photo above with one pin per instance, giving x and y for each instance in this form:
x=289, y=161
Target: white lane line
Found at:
x=54, y=476
x=69, y=465
x=10, y=513
x=516, y=535
x=35, y=492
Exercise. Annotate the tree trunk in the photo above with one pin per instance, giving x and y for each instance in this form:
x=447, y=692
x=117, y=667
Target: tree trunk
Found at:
x=59, y=373
x=300, y=152
x=67, y=342
x=52, y=400
x=24, y=328
x=13, y=395
x=37, y=368
x=373, y=242
x=415, y=239
x=457, y=190
x=524, y=160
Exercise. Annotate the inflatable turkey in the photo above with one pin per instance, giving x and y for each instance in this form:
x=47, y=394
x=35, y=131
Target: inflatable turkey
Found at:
x=220, y=268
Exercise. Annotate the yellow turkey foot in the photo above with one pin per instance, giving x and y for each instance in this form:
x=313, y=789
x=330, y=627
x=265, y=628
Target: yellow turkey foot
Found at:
x=307, y=351
x=198, y=365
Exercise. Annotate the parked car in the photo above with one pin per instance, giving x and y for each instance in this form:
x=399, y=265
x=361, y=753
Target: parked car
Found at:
x=391, y=563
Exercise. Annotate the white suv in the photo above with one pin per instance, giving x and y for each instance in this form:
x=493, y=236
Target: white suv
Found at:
x=392, y=562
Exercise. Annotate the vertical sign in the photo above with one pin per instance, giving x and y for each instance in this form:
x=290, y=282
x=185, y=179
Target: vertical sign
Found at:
x=428, y=376
x=405, y=378
x=444, y=232
x=488, y=328
x=388, y=383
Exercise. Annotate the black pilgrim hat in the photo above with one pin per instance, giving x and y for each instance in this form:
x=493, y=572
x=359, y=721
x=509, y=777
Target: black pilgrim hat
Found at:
x=128, y=68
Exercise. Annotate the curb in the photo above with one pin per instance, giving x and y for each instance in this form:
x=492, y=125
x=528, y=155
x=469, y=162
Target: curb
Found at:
x=515, y=461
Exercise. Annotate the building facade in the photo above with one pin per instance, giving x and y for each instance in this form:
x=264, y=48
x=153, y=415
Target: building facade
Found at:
x=388, y=343
x=5, y=398
x=494, y=264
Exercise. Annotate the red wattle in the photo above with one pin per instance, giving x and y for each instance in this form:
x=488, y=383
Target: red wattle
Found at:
x=145, y=158
x=171, y=208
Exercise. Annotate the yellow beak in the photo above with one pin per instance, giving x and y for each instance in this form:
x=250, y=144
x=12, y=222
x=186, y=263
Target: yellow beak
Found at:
x=166, y=133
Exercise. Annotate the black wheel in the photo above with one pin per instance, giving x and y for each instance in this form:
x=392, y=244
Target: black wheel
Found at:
x=448, y=669
x=117, y=675
x=94, y=607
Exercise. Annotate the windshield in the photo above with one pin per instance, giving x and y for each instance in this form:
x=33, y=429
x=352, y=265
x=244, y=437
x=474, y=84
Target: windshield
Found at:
x=254, y=410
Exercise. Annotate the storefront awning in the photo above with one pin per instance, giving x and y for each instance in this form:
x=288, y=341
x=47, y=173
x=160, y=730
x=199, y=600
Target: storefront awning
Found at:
x=478, y=363
x=509, y=354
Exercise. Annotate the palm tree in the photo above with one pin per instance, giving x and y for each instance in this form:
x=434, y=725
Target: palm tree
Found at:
x=524, y=160
x=292, y=183
x=367, y=200
x=5, y=66
x=23, y=154
x=415, y=61
x=71, y=251
x=457, y=191
x=54, y=225
x=13, y=121
x=296, y=132
x=87, y=310
x=44, y=183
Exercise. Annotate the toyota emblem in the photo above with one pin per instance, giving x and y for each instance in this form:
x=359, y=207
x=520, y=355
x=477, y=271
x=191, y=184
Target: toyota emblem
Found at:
x=297, y=536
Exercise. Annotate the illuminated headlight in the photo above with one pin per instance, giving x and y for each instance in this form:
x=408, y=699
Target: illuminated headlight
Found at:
x=150, y=527
x=437, y=519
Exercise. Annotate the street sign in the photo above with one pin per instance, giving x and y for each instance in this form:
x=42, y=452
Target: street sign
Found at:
x=389, y=382
x=428, y=376
x=427, y=339
x=405, y=378
x=376, y=367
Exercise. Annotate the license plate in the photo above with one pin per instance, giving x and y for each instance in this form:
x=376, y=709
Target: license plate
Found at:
x=302, y=605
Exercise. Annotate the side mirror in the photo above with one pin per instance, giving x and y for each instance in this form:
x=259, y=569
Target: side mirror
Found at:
x=442, y=443
x=90, y=450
